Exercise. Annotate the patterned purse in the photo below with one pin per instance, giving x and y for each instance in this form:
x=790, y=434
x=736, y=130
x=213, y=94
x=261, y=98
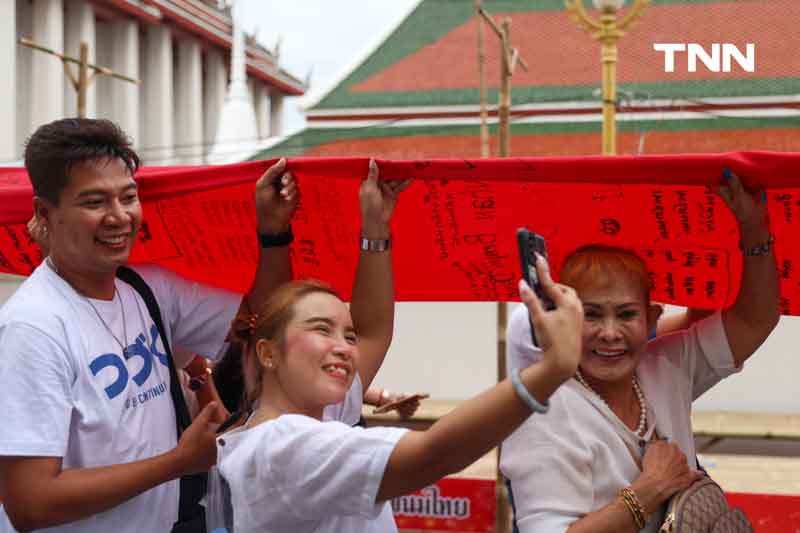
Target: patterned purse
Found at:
x=702, y=508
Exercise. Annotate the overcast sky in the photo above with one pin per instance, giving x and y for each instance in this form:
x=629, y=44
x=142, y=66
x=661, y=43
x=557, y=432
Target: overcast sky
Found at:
x=323, y=37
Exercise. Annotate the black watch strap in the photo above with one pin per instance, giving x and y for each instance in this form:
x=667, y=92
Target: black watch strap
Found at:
x=272, y=240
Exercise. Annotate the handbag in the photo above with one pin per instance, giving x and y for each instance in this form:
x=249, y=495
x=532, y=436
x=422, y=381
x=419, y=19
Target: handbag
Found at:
x=702, y=508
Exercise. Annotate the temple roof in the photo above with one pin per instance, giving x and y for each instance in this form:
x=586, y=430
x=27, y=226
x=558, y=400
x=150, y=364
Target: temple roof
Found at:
x=415, y=94
x=212, y=24
x=710, y=135
x=431, y=59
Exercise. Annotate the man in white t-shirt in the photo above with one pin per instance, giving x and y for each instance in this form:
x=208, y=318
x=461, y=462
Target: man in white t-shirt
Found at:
x=89, y=440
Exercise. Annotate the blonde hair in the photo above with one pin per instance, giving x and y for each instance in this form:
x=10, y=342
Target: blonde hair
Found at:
x=599, y=265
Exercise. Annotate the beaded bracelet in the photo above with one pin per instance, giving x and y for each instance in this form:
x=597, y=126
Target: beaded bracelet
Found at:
x=633, y=505
x=762, y=248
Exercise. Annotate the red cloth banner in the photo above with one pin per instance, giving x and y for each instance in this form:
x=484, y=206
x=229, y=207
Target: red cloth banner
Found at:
x=454, y=228
x=451, y=504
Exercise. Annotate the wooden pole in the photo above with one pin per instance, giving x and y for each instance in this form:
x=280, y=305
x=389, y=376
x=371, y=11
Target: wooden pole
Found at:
x=504, y=105
x=83, y=79
x=81, y=83
x=482, y=82
x=503, y=133
x=509, y=57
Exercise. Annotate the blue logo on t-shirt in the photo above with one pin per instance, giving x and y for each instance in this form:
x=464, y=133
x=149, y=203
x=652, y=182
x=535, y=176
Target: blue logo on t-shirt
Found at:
x=115, y=361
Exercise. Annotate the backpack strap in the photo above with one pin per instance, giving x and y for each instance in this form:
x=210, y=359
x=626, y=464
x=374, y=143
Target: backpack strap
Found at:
x=193, y=486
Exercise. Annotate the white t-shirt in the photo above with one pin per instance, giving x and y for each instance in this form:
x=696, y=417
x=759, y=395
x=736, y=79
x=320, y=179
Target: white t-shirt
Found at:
x=297, y=474
x=66, y=391
x=575, y=459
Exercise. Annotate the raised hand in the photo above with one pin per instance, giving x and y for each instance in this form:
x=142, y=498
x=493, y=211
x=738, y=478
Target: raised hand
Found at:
x=378, y=199
x=558, y=330
x=277, y=197
x=749, y=207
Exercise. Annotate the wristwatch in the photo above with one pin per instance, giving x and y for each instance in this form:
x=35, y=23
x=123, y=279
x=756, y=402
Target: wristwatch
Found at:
x=270, y=240
x=375, y=245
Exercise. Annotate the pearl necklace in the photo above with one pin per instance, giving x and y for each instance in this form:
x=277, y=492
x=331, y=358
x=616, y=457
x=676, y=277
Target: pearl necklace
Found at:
x=642, y=427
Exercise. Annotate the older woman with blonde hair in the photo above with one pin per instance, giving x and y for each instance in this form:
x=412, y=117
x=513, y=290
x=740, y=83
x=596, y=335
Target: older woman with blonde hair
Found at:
x=618, y=441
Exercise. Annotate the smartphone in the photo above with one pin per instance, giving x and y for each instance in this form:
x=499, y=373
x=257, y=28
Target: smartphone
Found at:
x=529, y=245
x=385, y=408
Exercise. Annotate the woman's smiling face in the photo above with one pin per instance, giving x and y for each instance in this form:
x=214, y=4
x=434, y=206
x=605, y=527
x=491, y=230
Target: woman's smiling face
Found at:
x=614, y=286
x=616, y=329
x=320, y=352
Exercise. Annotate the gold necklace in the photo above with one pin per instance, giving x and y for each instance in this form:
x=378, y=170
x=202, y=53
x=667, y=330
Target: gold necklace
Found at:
x=122, y=346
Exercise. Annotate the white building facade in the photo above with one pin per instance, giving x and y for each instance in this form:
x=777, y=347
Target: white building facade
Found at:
x=179, y=50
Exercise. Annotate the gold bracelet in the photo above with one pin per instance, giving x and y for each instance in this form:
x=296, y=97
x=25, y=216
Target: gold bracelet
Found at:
x=634, y=506
x=637, y=518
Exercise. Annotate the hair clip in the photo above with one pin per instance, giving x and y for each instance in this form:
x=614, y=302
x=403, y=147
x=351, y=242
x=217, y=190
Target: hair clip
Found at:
x=251, y=322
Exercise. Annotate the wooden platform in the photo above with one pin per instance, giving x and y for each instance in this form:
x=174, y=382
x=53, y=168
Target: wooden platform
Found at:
x=754, y=473
x=735, y=472
x=429, y=411
x=723, y=424
x=715, y=424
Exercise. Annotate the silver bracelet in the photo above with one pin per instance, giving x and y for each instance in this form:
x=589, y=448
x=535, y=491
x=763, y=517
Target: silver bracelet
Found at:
x=375, y=245
x=525, y=396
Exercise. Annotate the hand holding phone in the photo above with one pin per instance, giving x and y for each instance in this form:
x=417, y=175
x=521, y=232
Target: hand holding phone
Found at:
x=530, y=245
x=399, y=403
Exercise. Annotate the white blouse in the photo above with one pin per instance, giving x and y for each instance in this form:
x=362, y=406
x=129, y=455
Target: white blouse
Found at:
x=575, y=459
x=297, y=474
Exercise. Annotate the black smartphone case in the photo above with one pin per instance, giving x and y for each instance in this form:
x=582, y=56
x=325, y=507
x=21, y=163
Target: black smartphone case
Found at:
x=529, y=244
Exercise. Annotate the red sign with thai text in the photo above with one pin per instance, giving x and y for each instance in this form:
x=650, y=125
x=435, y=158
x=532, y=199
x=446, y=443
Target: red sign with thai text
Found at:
x=451, y=504
x=454, y=228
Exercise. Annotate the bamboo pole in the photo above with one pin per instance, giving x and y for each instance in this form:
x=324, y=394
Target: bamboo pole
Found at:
x=84, y=79
x=504, y=149
x=504, y=107
x=484, y=137
x=509, y=58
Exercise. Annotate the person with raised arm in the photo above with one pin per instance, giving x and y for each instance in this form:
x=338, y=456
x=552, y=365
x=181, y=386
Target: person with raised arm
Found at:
x=90, y=441
x=618, y=441
x=289, y=471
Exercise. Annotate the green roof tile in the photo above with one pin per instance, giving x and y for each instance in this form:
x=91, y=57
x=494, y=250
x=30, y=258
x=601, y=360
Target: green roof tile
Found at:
x=433, y=19
x=303, y=141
